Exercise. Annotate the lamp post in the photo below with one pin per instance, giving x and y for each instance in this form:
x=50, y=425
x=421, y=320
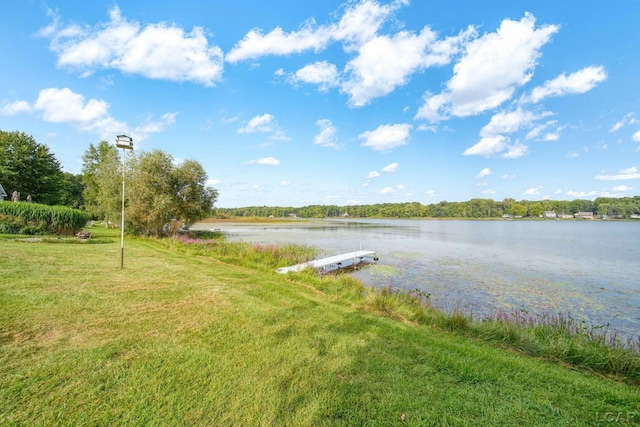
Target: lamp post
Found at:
x=126, y=143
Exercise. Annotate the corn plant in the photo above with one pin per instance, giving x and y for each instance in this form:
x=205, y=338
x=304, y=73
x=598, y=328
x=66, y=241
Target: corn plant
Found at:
x=50, y=219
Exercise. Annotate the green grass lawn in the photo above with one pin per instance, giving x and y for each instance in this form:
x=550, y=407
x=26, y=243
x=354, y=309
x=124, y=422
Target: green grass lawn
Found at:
x=176, y=339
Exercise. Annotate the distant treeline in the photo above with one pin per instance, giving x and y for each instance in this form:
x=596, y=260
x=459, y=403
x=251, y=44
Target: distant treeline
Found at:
x=624, y=207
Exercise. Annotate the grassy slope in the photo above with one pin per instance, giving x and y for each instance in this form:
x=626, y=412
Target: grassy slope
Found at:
x=173, y=339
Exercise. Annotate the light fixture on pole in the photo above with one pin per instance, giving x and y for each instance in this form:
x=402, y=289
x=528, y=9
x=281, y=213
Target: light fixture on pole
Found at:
x=126, y=143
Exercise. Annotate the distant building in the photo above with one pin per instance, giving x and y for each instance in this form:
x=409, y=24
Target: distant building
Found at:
x=2, y=193
x=584, y=215
x=550, y=215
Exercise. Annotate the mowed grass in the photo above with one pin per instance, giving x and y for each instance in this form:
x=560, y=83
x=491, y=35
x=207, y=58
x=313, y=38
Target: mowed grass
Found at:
x=177, y=339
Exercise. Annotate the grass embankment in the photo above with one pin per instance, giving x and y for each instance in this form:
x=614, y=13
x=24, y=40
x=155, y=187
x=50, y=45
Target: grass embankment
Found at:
x=178, y=339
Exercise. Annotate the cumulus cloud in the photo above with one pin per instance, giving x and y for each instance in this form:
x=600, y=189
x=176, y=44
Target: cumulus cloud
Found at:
x=328, y=134
x=62, y=105
x=623, y=174
x=621, y=188
x=386, y=62
x=380, y=62
x=373, y=174
x=386, y=137
x=579, y=82
x=323, y=74
x=16, y=107
x=157, y=51
x=491, y=69
x=359, y=23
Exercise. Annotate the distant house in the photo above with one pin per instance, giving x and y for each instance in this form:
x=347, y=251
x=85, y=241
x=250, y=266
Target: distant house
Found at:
x=550, y=215
x=2, y=193
x=584, y=215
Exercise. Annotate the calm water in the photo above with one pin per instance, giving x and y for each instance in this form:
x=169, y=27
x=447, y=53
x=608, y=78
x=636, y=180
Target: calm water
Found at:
x=589, y=269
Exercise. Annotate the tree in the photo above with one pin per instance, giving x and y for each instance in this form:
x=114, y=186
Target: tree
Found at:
x=29, y=168
x=72, y=189
x=163, y=197
x=102, y=178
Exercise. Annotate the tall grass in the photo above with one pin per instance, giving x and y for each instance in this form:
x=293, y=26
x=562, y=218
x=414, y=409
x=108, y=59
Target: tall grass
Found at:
x=34, y=218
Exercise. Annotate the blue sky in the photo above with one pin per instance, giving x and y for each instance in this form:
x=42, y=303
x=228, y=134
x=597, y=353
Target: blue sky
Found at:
x=294, y=103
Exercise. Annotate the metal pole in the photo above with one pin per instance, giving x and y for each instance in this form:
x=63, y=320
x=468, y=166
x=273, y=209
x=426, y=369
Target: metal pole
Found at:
x=122, y=224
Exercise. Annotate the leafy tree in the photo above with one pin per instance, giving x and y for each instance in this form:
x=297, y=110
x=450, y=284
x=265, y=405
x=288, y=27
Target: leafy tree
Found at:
x=29, y=168
x=72, y=189
x=102, y=178
x=163, y=197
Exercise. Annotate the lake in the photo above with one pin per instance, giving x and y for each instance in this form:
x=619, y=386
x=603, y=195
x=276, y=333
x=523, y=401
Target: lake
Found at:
x=587, y=269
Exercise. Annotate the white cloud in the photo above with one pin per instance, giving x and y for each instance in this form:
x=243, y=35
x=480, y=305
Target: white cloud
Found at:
x=387, y=190
x=212, y=182
x=373, y=174
x=323, y=74
x=510, y=121
x=384, y=63
x=430, y=193
x=156, y=126
x=269, y=161
x=359, y=23
x=623, y=174
x=491, y=69
x=327, y=136
x=636, y=136
x=156, y=51
x=487, y=146
x=621, y=188
x=515, y=151
x=507, y=176
x=579, y=82
x=488, y=191
x=64, y=106
x=392, y=167
x=381, y=62
x=628, y=119
x=16, y=107
x=484, y=173
x=386, y=137
x=533, y=191
x=264, y=123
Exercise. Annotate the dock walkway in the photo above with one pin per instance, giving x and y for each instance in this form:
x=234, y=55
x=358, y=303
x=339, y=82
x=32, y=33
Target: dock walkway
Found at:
x=331, y=263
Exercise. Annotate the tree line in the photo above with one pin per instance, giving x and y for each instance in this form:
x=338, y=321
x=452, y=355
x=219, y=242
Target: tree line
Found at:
x=161, y=197
x=624, y=207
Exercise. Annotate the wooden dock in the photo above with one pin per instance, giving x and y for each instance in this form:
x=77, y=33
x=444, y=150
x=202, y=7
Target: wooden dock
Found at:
x=332, y=263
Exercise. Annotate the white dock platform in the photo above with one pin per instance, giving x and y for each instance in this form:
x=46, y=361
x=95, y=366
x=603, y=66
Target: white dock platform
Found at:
x=331, y=263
